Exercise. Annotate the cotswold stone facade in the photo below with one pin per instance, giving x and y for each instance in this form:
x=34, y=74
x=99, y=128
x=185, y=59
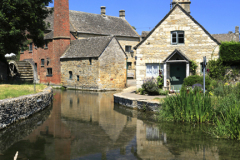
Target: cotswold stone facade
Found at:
x=97, y=63
x=67, y=26
x=170, y=46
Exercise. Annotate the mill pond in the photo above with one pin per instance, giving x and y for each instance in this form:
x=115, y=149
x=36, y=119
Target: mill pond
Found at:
x=87, y=125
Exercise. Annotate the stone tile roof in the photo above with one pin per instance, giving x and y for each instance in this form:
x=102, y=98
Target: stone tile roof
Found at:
x=97, y=24
x=169, y=13
x=225, y=37
x=48, y=35
x=90, y=47
x=145, y=33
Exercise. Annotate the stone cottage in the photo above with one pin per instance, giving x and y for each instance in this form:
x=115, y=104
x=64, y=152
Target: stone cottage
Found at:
x=97, y=63
x=174, y=41
x=67, y=26
x=230, y=36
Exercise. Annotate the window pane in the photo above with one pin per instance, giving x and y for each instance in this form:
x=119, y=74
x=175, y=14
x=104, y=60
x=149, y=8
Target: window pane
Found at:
x=174, y=35
x=155, y=70
x=174, y=40
x=149, y=70
x=180, y=35
x=42, y=62
x=128, y=48
x=180, y=40
x=30, y=47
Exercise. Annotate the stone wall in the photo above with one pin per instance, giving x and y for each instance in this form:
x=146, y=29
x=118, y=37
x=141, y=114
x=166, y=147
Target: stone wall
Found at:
x=129, y=42
x=3, y=71
x=112, y=65
x=157, y=47
x=88, y=73
x=15, y=109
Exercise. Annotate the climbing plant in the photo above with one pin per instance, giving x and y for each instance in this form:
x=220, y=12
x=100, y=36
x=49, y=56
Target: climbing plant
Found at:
x=193, y=67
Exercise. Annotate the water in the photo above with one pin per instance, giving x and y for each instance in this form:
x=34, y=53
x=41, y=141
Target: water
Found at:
x=87, y=125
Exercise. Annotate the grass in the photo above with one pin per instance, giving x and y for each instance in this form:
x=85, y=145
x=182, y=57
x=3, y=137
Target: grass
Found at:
x=13, y=91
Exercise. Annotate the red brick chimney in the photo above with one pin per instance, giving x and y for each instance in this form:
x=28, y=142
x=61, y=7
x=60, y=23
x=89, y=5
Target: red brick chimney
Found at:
x=61, y=37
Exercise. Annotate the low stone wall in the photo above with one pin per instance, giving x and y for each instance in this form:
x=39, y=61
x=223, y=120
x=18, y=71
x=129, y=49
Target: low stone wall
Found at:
x=136, y=103
x=15, y=109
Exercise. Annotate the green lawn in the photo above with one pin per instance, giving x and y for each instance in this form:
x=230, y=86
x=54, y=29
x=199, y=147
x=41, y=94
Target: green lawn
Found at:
x=12, y=91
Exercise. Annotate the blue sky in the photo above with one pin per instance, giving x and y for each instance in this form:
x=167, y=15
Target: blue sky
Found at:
x=216, y=16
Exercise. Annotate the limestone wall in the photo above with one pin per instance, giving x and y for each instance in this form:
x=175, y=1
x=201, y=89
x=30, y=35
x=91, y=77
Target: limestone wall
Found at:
x=157, y=47
x=88, y=73
x=15, y=109
x=112, y=65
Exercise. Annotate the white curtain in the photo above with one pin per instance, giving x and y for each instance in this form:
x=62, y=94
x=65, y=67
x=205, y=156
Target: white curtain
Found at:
x=152, y=70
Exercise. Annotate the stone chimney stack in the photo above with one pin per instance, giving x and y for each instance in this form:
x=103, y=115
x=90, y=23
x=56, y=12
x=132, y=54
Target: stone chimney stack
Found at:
x=185, y=4
x=122, y=14
x=103, y=10
x=237, y=32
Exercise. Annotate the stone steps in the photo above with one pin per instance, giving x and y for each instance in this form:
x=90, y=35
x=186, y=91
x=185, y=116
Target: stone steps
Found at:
x=25, y=71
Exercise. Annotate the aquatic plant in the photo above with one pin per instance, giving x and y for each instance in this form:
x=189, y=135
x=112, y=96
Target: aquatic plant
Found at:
x=188, y=107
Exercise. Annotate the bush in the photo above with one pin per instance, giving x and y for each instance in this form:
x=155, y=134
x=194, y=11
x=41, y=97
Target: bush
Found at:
x=216, y=69
x=162, y=92
x=193, y=67
x=191, y=80
x=230, y=51
x=150, y=86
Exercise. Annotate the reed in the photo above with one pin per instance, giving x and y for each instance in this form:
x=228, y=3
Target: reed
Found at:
x=188, y=107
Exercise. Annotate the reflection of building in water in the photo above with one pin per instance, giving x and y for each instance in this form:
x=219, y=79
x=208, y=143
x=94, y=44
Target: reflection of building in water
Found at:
x=93, y=120
x=152, y=144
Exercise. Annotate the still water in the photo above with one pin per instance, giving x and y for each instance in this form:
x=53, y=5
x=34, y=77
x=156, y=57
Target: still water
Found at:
x=87, y=125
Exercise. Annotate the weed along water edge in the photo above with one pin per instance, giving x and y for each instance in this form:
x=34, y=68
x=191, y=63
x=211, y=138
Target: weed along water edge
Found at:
x=87, y=125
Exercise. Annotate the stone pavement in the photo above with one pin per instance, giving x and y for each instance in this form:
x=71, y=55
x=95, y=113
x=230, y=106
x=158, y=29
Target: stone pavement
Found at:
x=129, y=99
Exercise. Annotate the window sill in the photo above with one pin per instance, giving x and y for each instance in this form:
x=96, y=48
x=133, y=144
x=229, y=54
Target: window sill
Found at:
x=30, y=51
x=45, y=47
x=179, y=44
x=49, y=75
x=42, y=65
x=21, y=52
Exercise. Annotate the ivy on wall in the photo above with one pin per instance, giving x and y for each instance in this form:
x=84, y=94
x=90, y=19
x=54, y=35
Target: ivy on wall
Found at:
x=230, y=52
x=193, y=67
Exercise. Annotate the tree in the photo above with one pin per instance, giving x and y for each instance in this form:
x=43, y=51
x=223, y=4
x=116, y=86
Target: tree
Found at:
x=134, y=27
x=21, y=20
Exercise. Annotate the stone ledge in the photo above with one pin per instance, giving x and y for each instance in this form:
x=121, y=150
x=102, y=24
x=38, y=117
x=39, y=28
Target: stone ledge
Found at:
x=15, y=109
x=136, y=103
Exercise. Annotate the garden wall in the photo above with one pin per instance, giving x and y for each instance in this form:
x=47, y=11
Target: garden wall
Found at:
x=14, y=109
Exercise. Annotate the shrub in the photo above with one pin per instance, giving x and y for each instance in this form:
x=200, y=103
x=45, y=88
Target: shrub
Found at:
x=191, y=80
x=216, y=69
x=150, y=86
x=230, y=51
x=162, y=92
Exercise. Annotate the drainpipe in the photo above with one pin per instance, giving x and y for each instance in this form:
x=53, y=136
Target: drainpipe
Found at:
x=126, y=71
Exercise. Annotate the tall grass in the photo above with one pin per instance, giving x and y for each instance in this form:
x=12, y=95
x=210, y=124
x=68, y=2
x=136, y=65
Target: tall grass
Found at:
x=188, y=107
x=12, y=91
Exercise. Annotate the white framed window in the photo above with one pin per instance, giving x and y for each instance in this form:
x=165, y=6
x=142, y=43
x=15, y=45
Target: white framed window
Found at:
x=177, y=37
x=152, y=70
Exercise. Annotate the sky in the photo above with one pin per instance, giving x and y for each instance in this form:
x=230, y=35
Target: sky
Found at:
x=216, y=16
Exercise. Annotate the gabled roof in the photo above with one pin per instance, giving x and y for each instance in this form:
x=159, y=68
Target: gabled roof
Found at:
x=87, y=48
x=179, y=52
x=83, y=22
x=169, y=13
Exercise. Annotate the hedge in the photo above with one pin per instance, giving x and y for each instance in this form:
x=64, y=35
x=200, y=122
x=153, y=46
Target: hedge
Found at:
x=230, y=51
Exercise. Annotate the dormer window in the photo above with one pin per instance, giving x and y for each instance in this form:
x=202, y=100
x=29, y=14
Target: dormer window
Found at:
x=177, y=37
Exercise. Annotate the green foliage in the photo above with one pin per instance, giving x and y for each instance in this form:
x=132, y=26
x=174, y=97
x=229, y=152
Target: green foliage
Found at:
x=134, y=27
x=216, y=69
x=22, y=20
x=150, y=86
x=141, y=91
x=230, y=51
x=193, y=107
x=193, y=67
x=191, y=80
x=228, y=119
x=162, y=92
x=160, y=81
